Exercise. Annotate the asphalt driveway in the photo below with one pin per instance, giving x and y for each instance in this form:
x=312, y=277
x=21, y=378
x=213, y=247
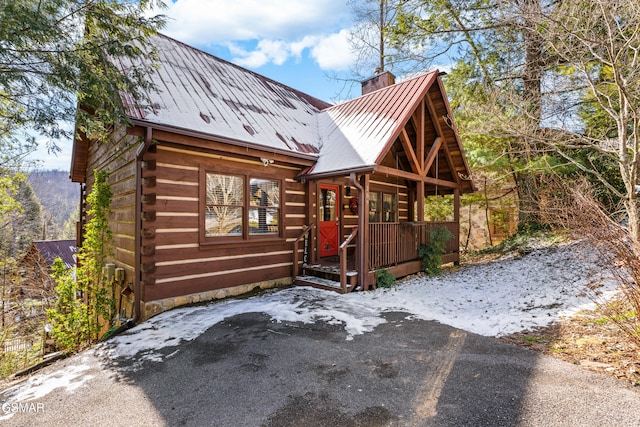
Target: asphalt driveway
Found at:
x=251, y=371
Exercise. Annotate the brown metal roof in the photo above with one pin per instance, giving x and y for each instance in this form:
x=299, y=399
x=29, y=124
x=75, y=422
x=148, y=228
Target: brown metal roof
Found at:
x=52, y=249
x=202, y=93
x=358, y=133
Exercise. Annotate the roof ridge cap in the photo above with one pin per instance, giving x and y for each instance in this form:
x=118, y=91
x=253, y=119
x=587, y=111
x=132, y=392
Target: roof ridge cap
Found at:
x=423, y=75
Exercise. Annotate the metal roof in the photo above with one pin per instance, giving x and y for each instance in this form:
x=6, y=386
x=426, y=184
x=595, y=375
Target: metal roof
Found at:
x=356, y=133
x=201, y=93
x=52, y=249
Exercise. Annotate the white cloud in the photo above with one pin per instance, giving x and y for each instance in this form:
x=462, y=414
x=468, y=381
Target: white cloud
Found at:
x=329, y=52
x=305, y=43
x=279, y=29
x=334, y=52
x=275, y=51
x=214, y=21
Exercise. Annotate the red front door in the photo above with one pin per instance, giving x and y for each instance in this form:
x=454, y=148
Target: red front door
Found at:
x=329, y=229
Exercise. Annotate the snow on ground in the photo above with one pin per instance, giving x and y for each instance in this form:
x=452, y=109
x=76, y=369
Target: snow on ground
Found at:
x=495, y=298
x=71, y=378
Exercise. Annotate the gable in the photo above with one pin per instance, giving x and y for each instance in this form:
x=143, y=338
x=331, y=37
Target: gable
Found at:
x=354, y=134
x=428, y=145
x=406, y=126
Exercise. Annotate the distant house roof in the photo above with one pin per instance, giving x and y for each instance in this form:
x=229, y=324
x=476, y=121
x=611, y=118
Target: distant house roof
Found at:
x=52, y=249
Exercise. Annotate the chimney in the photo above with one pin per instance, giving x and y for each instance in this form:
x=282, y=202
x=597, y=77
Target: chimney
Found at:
x=378, y=81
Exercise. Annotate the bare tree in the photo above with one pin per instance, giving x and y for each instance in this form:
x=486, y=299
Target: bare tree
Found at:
x=573, y=207
x=591, y=97
x=369, y=40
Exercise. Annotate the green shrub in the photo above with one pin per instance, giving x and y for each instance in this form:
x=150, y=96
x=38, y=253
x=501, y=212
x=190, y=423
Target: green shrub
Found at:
x=431, y=253
x=85, y=302
x=385, y=279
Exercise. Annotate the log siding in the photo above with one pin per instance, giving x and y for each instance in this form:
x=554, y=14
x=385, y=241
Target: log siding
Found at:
x=183, y=262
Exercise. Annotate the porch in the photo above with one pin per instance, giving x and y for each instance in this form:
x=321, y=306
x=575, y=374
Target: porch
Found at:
x=390, y=246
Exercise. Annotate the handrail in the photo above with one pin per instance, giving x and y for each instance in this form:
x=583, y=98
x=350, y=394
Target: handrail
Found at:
x=305, y=230
x=343, y=259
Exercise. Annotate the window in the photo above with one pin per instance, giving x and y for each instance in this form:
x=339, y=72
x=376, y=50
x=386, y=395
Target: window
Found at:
x=389, y=207
x=264, y=210
x=225, y=200
x=240, y=206
x=383, y=207
x=374, y=207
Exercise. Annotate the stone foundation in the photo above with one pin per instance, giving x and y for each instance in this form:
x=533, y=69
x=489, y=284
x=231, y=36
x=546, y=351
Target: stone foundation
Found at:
x=153, y=308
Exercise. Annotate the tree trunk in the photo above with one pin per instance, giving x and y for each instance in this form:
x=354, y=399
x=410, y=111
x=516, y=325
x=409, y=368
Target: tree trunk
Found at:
x=528, y=202
x=533, y=62
x=532, y=71
x=634, y=220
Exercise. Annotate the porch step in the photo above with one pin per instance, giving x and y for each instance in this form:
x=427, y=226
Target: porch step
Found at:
x=318, y=282
x=329, y=273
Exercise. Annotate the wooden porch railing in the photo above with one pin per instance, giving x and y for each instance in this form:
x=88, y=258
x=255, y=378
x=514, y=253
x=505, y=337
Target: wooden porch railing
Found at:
x=342, y=252
x=395, y=243
x=296, y=246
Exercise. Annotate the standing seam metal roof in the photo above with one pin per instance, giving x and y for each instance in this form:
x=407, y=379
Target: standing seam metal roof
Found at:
x=52, y=249
x=204, y=94
x=357, y=133
x=199, y=93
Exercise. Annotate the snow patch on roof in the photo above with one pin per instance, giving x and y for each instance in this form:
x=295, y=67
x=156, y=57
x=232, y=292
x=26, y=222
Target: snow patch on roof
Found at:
x=200, y=93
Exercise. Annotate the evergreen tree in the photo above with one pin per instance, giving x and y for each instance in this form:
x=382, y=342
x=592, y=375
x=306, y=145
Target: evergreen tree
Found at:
x=21, y=226
x=58, y=53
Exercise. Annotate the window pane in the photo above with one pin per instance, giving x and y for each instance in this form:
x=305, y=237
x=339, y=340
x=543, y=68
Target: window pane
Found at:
x=264, y=203
x=389, y=207
x=224, y=190
x=224, y=210
x=263, y=220
x=328, y=204
x=374, y=206
x=264, y=193
x=223, y=221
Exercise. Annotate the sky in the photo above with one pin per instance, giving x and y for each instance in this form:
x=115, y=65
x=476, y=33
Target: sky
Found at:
x=513, y=294
x=300, y=43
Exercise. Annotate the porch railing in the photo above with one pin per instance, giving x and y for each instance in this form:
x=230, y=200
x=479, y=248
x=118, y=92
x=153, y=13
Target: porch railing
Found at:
x=343, y=261
x=304, y=236
x=395, y=243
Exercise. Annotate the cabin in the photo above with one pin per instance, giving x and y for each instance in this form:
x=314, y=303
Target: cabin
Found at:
x=231, y=181
x=35, y=267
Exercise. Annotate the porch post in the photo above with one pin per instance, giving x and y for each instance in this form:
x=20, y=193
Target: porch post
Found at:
x=456, y=220
x=311, y=190
x=363, y=234
x=420, y=200
x=456, y=206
